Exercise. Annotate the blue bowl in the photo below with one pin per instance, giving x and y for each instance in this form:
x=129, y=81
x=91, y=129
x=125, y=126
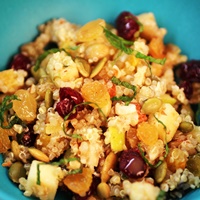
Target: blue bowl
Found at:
x=20, y=18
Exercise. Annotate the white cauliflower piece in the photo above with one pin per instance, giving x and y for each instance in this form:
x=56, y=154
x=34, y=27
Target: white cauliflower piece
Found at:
x=140, y=190
x=61, y=69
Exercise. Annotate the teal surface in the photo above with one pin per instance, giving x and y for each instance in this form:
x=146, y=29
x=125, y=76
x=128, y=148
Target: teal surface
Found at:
x=19, y=20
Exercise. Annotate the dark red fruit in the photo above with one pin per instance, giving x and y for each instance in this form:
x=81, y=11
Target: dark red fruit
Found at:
x=190, y=71
x=28, y=137
x=127, y=25
x=132, y=164
x=69, y=98
x=188, y=89
x=21, y=61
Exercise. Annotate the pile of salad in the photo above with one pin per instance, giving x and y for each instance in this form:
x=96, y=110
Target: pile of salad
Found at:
x=101, y=111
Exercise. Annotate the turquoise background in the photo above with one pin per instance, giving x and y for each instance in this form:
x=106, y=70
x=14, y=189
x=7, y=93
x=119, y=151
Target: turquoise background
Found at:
x=19, y=20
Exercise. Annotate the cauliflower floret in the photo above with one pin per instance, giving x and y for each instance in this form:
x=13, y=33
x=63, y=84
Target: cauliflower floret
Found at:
x=61, y=69
x=91, y=148
x=140, y=190
x=11, y=80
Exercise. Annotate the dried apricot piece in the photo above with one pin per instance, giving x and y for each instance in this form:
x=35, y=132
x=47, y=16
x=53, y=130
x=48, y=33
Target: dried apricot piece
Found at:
x=79, y=183
x=97, y=93
x=4, y=140
x=26, y=106
x=147, y=133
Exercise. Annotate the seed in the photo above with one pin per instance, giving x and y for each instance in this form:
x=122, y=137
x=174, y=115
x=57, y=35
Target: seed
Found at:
x=48, y=98
x=16, y=171
x=83, y=67
x=186, y=127
x=151, y=105
x=160, y=172
x=103, y=190
x=39, y=155
x=98, y=67
x=109, y=163
x=166, y=98
x=15, y=149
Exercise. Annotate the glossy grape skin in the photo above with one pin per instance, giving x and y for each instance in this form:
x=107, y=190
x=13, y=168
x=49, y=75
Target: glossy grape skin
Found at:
x=127, y=26
x=21, y=61
x=132, y=164
x=69, y=98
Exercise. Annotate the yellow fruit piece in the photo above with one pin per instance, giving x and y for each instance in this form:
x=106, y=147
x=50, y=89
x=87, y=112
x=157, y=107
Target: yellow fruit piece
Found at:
x=117, y=139
x=91, y=30
x=79, y=183
x=11, y=80
x=166, y=116
x=26, y=106
x=147, y=133
x=97, y=93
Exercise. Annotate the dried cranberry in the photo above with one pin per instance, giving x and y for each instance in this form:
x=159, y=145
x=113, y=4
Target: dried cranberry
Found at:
x=21, y=61
x=67, y=92
x=188, y=89
x=132, y=164
x=68, y=99
x=64, y=107
x=190, y=71
x=127, y=25
x=27, y=138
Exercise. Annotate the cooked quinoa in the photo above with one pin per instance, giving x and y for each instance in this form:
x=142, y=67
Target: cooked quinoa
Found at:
x=98, y=122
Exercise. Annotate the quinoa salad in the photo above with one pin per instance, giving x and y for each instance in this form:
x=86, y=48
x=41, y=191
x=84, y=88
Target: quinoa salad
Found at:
x=101, y=111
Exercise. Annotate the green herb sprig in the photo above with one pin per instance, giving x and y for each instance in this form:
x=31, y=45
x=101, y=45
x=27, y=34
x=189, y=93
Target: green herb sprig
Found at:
x=6, y=105
x=125, y=84
x=125, y=46
x=58, y=163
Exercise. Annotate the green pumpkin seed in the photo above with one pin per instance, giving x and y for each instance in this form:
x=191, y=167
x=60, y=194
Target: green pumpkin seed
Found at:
x=16, y=171
x=186, y=127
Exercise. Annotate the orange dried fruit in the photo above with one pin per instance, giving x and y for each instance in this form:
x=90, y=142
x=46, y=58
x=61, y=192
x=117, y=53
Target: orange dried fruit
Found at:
x=147, y=133
x=26, y=106
x=91, y=30
x=79, y=183
x=97, y=93
x=4, y=140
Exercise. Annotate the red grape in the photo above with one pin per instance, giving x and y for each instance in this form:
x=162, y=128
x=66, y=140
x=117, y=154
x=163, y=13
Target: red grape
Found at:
x=132, y=164
x=127, y=25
